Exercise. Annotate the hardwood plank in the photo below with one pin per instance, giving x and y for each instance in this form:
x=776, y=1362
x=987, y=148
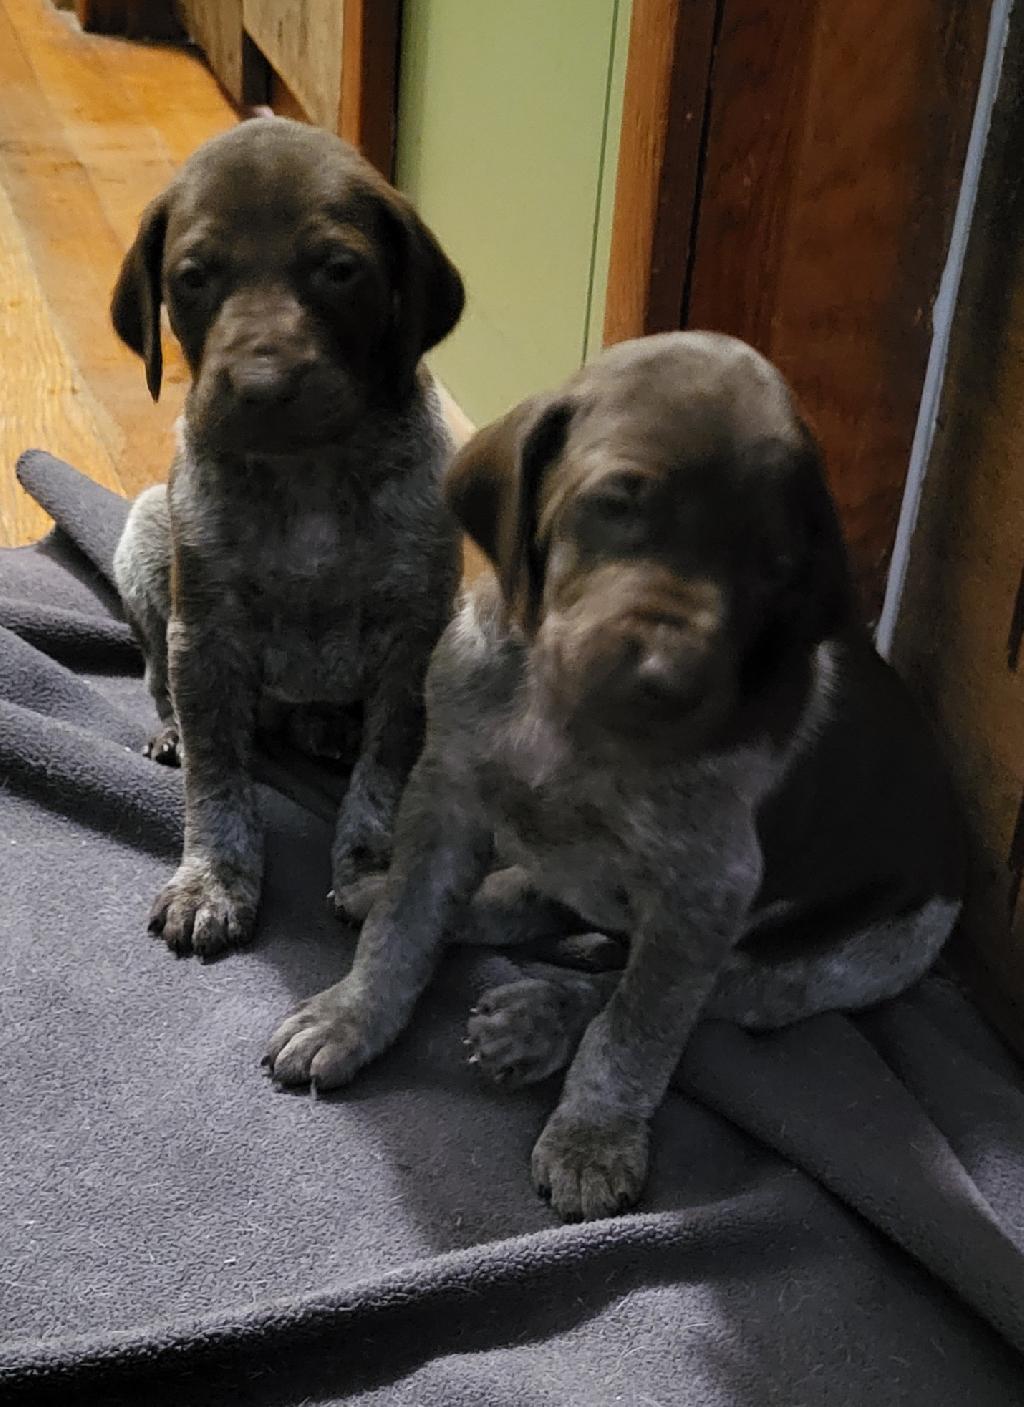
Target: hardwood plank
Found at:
x=828, y=195
x=103, y=127
x=90, y=129
x=46, y=402
x=666, y=87
x=57, y=205
x=174, y=92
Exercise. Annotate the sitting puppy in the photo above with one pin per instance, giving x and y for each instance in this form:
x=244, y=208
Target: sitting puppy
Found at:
x=665, y=720
x=301, y=560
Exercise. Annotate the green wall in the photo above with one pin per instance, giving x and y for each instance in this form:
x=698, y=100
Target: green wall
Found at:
x=508, y=125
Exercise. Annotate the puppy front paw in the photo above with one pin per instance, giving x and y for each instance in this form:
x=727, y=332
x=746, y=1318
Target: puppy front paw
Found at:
x=322, y=1044
x=165, y=747
x=521, y=1032
x=200, y=912
x=588, y=1167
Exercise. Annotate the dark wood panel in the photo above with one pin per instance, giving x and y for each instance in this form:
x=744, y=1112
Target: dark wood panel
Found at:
x=664, y=101
x=958, y=633
x=353, y=89
x=136, y=19
x=217, y=29
x=835, y=148
x=369, y=79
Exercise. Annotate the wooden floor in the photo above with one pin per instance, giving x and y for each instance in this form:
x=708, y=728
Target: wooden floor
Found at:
x=90, y=129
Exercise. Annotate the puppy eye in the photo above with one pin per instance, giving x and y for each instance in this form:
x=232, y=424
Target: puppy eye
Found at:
x=618, y=501
x=611, y=521
x=613, y=507
x=339, y=271
x=192, y=277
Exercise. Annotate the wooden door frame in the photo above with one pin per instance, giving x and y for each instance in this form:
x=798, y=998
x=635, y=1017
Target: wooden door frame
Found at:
x=367, y=115
x=664, y=114
x=756, y=195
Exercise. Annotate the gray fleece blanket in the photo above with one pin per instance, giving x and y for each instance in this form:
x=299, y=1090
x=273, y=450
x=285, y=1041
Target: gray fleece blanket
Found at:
x=835, y=1213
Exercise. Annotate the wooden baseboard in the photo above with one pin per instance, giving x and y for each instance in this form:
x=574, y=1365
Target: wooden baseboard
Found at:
x=462, y=429
x=134, y=19
x=458, y=421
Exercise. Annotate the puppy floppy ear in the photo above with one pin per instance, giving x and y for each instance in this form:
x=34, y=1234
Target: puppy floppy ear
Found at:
x=135, y=306
x=810, y=590
x=427, y=297
x=493, y=488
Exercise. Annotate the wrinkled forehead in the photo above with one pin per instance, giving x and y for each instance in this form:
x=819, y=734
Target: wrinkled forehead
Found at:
x=269, y=187
x=685, y=415
x=689, y=397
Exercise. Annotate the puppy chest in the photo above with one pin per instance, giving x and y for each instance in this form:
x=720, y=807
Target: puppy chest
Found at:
x=561, y=835
x=307, y=608
x=542, y=814
x=308, y=658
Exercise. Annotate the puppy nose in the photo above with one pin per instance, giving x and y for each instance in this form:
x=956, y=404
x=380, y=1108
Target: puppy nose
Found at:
x=668, y=667
x=264, y=380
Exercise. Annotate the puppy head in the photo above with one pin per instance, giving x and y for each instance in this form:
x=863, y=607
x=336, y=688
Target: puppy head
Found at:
x=300, y=285
x=662, y=534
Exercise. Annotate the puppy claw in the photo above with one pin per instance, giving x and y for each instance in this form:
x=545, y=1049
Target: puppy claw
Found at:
x=323, y=1044
x=199, y=912
x=522, y=1032
x=165, y=747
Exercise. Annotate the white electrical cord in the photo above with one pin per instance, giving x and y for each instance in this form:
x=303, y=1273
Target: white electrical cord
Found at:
x=942, y=323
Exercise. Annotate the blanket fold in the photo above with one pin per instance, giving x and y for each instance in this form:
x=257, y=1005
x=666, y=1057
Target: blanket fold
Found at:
x=835, y=1213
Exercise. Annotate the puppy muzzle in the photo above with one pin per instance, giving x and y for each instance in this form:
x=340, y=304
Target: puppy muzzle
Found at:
x=634, y=670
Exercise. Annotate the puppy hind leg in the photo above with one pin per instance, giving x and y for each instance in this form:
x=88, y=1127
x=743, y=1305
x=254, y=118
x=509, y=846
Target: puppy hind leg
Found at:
x=871, y=965
x=507, y=911
x=142, y=572
x=522, y=1032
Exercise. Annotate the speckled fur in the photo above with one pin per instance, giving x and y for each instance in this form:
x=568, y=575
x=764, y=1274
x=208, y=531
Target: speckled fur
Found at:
x=301, y=562
x=804, y=857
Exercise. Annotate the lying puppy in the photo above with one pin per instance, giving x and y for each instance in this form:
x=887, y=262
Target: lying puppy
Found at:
x=665, y=714
x=301, y=559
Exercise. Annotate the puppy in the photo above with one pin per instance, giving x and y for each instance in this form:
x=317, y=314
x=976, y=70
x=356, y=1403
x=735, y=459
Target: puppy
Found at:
x=664, y=718
x=301, y=561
